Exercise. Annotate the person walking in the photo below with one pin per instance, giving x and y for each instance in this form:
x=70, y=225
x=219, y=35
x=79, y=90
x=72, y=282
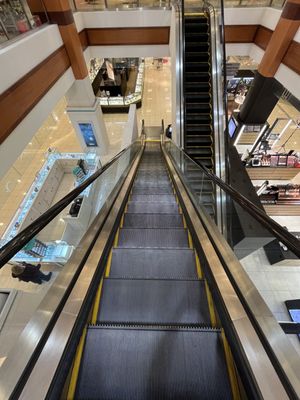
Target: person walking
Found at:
x=30, y=273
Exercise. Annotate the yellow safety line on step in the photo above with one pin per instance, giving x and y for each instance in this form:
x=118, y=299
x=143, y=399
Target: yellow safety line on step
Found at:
x=198, y=266
x=76, y=366
x=184, y=222
x=122, y=221
x=108, y=265
x=211, y=307
x=231, y=369
x=116, y=240
x=97, y=303
x=190, y=240
x=153, y=140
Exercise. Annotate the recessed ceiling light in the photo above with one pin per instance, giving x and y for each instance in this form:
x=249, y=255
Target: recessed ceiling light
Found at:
x=30, y=143
x=1, y=223
x=19, y=180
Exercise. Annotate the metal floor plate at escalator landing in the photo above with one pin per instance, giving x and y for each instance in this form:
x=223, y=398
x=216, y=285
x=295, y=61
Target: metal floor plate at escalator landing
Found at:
x=142, y=364
x=154, y=301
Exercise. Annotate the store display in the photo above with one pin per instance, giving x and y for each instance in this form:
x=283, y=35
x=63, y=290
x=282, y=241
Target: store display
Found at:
x=273, y=160
x=35, y=248
x=109, y=82
x=281, y=195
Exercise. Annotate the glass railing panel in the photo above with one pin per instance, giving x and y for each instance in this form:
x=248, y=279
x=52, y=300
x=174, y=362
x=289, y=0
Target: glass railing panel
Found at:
x=46, y=255
x=251, y=3
x=99, y=5
x=199, y=186
x=17, y=18
x=3, y=33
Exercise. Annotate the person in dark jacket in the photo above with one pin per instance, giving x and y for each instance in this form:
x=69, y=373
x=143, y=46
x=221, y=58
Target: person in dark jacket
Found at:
x=30, y=273
x=169, y=131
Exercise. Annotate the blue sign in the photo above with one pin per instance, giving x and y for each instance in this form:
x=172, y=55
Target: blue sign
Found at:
x=87, y=131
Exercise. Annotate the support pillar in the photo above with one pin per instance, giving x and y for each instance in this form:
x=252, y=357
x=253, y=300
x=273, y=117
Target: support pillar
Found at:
x=265, y=90
x=85, y=113
x=83, y=108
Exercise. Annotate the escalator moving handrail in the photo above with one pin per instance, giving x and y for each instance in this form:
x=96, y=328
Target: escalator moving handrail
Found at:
x=277, y=230
x=18, y=242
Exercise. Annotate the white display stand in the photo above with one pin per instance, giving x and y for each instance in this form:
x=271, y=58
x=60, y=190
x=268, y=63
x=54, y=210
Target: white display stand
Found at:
x=40, y=198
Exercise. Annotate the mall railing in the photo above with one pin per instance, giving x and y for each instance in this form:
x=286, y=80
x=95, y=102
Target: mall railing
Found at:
x=17, y=18
x=248, y=254
x=100, y=5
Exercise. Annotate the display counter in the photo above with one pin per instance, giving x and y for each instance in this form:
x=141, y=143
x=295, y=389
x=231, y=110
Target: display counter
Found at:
x=122, y=103
x=40, y=198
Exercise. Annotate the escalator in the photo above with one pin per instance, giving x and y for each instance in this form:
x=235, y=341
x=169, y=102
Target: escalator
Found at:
x=154, y=332
x=198, y=136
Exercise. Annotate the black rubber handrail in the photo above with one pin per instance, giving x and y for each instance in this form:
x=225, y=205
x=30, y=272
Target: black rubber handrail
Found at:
x=17, y=243
x=273, y=227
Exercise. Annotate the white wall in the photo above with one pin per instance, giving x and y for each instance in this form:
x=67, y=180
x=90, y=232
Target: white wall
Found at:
x=243, y=15
x=130, y=51
x=117, y=19
x=22, y=56
x=289, y=79
x=13, y=146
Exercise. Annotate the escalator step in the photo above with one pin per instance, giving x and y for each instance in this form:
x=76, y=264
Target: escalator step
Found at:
x=160, y=238
x=135, y=364
x=162, y=198
x=158, y=301
x=152, y=221
x=198, y=98
x=153, y=180
x=152, y=208
x=199, y=139
x=153, y=263
x=196, y=46
x=152, y=190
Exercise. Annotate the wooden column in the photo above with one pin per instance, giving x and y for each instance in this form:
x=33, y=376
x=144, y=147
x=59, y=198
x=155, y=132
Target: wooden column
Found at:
x=265, y=90
x=59, y=13
x=281, y=39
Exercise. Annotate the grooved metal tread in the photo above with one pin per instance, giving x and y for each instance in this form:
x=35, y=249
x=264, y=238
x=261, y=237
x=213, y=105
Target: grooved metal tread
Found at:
x=152, y=208
x=153, y=263
x=152, y=189
x=162, y=198
x=153, y=301
x=160, y=238
x=140, y=364
x=136, y=220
